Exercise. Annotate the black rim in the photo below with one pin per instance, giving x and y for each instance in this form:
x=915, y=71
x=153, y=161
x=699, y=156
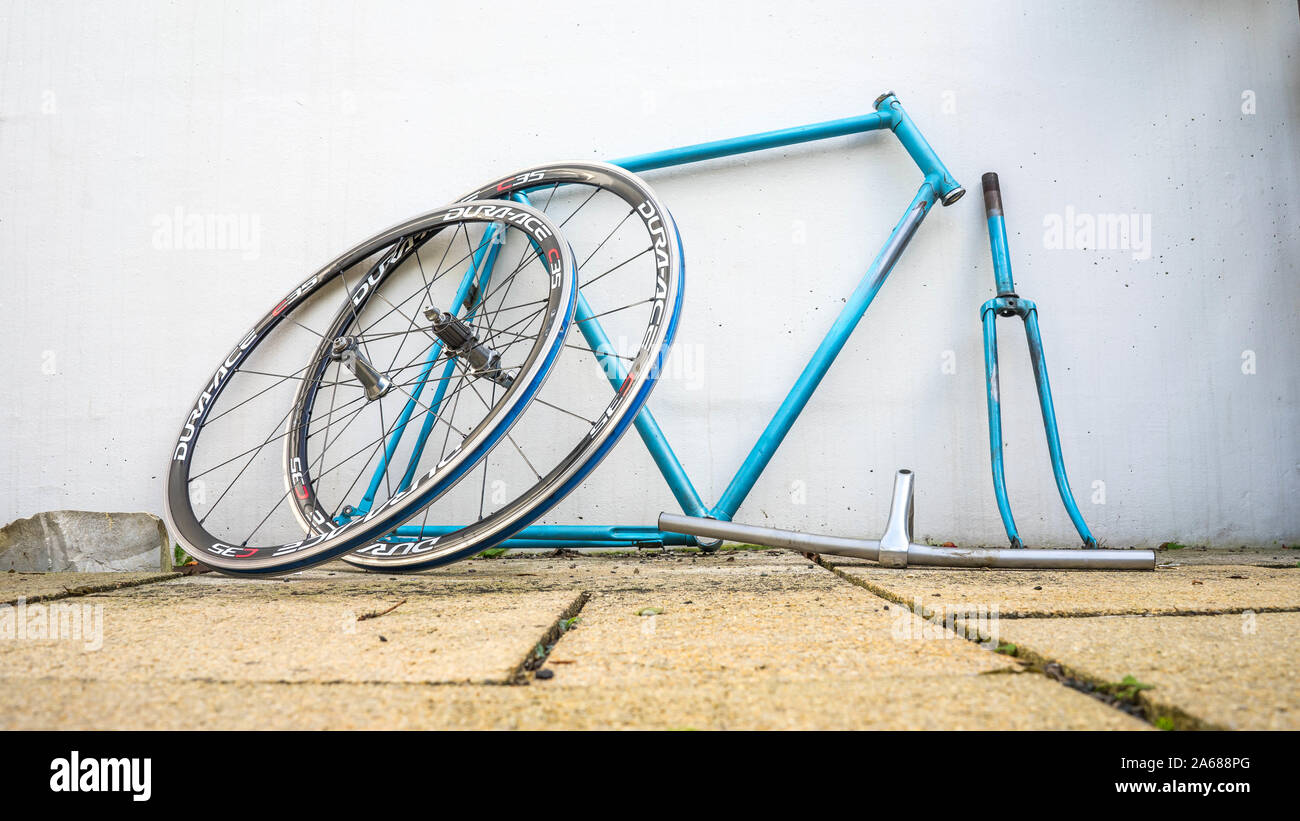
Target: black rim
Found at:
x=278, y=558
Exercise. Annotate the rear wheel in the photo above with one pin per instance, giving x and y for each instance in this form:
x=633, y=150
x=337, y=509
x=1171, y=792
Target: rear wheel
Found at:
x=630, y=276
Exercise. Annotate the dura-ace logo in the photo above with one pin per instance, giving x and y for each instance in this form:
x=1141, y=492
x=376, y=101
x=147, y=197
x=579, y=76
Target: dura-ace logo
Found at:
x=504, y=213
x=205, y=398
x=399, y=253
x=77, y=774
x=655, y=225
x=384, y=549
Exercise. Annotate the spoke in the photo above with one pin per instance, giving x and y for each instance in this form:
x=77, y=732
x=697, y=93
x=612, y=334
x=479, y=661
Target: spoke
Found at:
x=250, y=536
x=347, y=294
x=616, y=310
x=550, y=195
x=430, y=410
x=525, y=260
x=259, y=393
x=508, y=436
x=584, y=348
x=428, y=286
x=256, y=451
x=563, y=410
x=447, y=436
x=611, y=233
x=388, y=488
x=446, y=250
x=329, y=416
x=435, y=279
x=374, y=448
x=404, y=316
x=264, y=444
x=375, y=337
x=482, y=492
x=304, y=327
x=511, y=280
x=542, y=302
x=598, y=277
x=310, y=434
x=594, y=191
x=516, y=324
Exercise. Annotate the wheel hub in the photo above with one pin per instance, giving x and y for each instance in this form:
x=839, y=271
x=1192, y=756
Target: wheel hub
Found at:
x=345, y=350
x=460, y=340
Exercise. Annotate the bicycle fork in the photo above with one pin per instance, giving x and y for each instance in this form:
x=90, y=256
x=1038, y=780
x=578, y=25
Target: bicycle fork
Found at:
x=1008, y=303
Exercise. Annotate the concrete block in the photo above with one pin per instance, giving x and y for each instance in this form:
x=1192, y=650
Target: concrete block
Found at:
x=84, y=541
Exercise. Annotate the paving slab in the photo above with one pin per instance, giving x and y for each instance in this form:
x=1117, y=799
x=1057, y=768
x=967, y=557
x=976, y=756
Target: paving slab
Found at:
x=34, y=587
x=1277, y=556
x=828, y=630
x=938, y=703
x=1203, y=589
x=814, y=653
x=1235, y=671
x=750, y=639
x=221, y=629
x=761, y=570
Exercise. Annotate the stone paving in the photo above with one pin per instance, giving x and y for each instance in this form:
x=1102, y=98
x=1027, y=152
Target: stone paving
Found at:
x=741, y=639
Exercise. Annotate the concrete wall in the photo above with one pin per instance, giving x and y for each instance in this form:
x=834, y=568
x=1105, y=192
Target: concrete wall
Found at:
x=1173, y=359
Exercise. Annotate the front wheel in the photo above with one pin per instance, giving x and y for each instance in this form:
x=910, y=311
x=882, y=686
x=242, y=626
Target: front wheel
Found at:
x=282, y=464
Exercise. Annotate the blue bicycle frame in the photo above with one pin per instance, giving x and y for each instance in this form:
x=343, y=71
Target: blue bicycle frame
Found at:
x=937, y=185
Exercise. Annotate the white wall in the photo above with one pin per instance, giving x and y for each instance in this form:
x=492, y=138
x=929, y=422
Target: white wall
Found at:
x=326, y=122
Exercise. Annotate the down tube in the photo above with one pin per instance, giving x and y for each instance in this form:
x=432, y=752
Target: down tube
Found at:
x=821, y=360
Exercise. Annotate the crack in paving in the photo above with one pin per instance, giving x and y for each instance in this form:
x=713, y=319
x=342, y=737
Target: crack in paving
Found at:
x=897, y=598
x=90, y=589
x=1141, y=708
x=533, y=660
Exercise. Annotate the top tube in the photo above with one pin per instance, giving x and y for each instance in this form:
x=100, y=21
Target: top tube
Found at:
x=889, y=114
x=755, y=142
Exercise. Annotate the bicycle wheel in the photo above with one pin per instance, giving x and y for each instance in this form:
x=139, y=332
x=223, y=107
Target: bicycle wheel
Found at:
x=273, y=475
x=630, y=285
